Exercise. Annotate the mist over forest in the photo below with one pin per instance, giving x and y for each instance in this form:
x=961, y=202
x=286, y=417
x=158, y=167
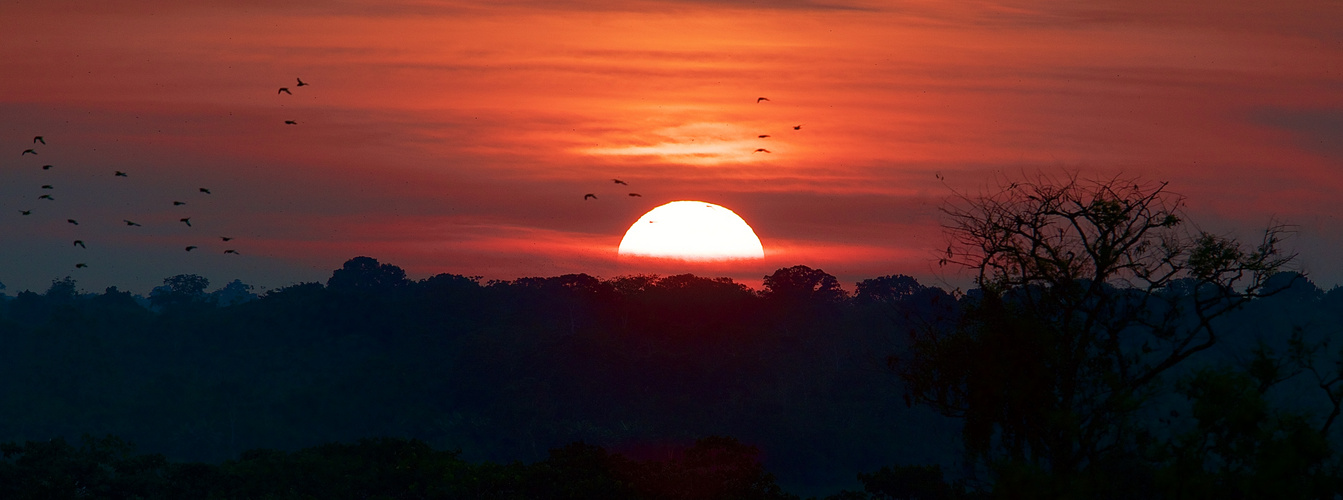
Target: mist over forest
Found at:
x=504, y=372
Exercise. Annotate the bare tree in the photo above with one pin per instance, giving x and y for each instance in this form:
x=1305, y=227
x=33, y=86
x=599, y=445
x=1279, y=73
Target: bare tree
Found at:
x=1088, y=292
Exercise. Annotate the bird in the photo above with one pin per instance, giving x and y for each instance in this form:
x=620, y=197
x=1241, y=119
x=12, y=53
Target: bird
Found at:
x=762, y=136
x=129, y=223
x=300, y=82
x=80, y=244
x=636, y=194
x=46, y=197
x=187, y=220
x=191, y=247
x=179, y=203
x=25, y=212
x=206, y=191
x=284, y=90
x=290, y=122
x=47, y=186
x=81, y=265
x=47, y=167
x=226, y=238
x=938, y=175
x=38, y=138
x=119, y=174
x=234, y=252
x=618, y=181
x=72, y=221
x=589, y=195
x=759, y=150
x=758, y=99
x=797, y=127
x=26, y=151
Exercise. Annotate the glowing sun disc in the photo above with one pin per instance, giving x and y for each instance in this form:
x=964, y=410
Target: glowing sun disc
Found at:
x=691, y=230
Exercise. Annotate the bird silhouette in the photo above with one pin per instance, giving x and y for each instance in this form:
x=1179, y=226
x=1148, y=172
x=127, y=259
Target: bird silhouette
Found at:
x=72, y=221
x=80, y=244
x=234, y=252
x=760, y=150
x=46, y=197
x=636, y=194
x=300, y=82
x=589, y=195
x=284, y=90
x=206, y=191
x=290, y=122
x=25, y=212
x=762, y=136
x=37, y=139
x=179, y=203
x=129, y=223
x=191, y=247
x=758, y=99
x=26, y=151
x=187, y=220
x=47, y=167
x=81, y=265
x=119, y=174
x=797, y=127
x=226, y=238
x=618, y=181
x=47, y=186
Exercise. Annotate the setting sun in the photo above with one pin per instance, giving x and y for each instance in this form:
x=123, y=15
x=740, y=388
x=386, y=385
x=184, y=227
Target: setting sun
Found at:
x=691, y=230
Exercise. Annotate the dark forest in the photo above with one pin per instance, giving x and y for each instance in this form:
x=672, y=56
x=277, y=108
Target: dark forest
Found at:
x=1102, y=354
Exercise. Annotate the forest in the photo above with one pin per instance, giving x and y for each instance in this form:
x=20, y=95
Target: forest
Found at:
x=1217, y=379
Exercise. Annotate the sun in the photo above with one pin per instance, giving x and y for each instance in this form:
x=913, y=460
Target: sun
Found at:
x=691, y=230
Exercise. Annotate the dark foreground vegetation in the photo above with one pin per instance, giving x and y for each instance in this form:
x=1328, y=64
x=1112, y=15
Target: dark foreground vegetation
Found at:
x=1103, y=354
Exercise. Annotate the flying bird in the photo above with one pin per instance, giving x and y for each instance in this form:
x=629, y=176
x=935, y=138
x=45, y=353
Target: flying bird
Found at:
x=80, y=244
x=797, y=127
x=129, y=223
x=758, y=99
x=191, y=247
x=37, y=139
x=47, y=186
x=234, y=252
x=46, y=197
x=636, y=194
x=72, y=221
x=26, y=151
x=618, y=181
x=179, y=203
x=760, y=150
x=284, y=90
x=206, y=191
x=81, y=265
x=26, y=212
x=762, y=136
x=47, y=167
x=290, y=122
x=300, y=82
x=589, y=195
x=226, y=238
x=119, y=174
x=187, y=220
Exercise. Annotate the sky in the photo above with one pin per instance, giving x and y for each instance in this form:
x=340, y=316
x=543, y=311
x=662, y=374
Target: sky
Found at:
x=460, y=137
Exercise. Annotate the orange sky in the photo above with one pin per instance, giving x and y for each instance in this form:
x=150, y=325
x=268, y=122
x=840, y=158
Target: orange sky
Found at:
x=460, y=137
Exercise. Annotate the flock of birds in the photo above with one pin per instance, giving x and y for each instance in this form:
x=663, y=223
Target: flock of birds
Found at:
x=593, y=196
x=130, y=223
x=39, y=141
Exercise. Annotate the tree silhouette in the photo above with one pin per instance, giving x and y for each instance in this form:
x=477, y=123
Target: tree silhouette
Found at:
x=1089, y=291
x=365, y=274
x=180, y=290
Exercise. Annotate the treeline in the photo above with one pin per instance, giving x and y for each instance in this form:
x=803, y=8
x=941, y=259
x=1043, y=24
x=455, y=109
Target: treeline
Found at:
x=505, y=372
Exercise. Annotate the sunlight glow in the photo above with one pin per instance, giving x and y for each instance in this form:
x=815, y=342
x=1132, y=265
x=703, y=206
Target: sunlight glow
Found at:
x=691, y=230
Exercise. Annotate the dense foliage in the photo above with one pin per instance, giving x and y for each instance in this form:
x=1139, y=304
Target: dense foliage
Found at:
x=467, y=374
